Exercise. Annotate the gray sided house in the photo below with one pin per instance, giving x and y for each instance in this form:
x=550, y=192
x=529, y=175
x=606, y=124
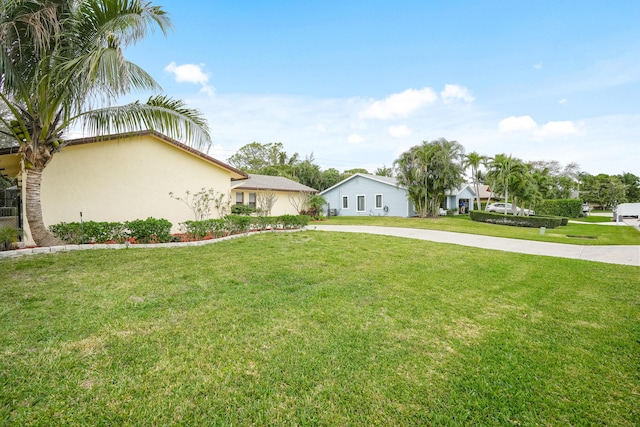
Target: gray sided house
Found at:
x=368, y=195
x=454, y=199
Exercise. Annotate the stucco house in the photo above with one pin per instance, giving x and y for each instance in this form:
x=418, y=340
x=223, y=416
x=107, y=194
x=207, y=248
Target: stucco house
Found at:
x=271, y=195
x=364, y=195
x=122, y=178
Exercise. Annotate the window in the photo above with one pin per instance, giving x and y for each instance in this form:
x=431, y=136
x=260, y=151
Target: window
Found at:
x=360, y=202
x=240, y=198
x=252, y=200
x=345, y=202
x=378, y=201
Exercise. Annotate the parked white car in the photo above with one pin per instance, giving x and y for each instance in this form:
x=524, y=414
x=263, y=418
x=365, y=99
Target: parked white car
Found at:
x=501, y=207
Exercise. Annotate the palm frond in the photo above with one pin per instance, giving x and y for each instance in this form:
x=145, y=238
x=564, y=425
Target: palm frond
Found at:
x=161, y=114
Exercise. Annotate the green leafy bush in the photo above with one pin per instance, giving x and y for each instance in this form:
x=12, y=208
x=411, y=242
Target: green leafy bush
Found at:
x=570, y=208
x=242, y=210
x=261, y=222
x=237, y=223
x=89, y=232
x=198, y=230
x=8, y=237
x=150, y=230
x=518, y=221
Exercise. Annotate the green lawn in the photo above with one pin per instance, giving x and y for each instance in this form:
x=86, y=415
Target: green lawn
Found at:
x=316, y=328
x=579, y=234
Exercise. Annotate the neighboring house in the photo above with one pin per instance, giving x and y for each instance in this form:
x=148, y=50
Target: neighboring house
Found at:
x=454, y=199
x=363, y=195
x=123, y=178
x=271, y=195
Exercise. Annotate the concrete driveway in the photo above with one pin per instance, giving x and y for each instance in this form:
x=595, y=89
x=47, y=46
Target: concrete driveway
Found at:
x=625, y=255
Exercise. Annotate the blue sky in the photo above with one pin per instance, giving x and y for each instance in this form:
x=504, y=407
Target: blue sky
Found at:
x=356, y=83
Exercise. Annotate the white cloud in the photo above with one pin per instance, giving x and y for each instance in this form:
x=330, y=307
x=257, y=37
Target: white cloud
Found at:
x=399, y=131
x=513, y=124
x=549, y=129
x=562, y=101
x=191, y=73
x=400, y=104
x=538, y=66
x=558, y=129
x=453, y=93
x=355, y=138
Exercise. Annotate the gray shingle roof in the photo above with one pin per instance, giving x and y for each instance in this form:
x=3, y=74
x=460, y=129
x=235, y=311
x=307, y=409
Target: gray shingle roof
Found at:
x=274, y=183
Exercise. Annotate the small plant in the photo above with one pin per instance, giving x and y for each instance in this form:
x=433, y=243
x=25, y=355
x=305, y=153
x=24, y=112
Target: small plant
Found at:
x=201, y=202
x=8, y=238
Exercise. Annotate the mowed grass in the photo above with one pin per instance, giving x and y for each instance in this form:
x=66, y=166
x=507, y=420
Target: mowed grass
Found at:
x=315, y=328
x=579, y=234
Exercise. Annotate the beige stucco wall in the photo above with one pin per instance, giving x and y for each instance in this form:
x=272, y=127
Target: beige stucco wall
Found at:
x=125, y=179
x=282, y=205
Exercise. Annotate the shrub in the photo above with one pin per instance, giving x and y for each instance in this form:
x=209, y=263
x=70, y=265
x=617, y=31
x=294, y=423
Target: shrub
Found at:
x=8, y=237
x=570, y=208
x=261, y=222
x=518, y=221
x=242, y=210
x=150, y=230
x=89, y=231
x=200, y=229
x=236, y=223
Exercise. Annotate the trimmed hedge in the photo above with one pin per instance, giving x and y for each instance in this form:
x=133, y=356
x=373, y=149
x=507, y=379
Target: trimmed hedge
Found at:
x=571, y=208
x=518, y=221
x=159, y=230
x=89, y=231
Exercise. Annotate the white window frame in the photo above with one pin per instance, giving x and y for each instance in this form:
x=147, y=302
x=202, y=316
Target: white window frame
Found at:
x=364, y=203
x=381, y=201
x=345, y=199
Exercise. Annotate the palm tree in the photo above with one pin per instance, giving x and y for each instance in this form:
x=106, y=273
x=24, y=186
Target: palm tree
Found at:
x=61, y=65
x=506, y=173
x=427, y=171
x=473, y=160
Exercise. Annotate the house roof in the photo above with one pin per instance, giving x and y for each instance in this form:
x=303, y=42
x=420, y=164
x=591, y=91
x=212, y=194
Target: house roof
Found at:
x=12, y=163
x=273, y=183
x=484, y=190
x=382, y=179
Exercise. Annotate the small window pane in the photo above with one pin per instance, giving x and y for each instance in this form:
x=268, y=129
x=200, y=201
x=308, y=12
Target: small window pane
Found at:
x=360, y=203
x=379, y=201
x=345, y=202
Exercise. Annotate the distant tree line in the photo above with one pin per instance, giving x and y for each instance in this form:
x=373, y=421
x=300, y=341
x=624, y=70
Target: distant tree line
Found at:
x=431, y=169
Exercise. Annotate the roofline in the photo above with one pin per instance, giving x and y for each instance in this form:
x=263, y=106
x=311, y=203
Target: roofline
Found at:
x=177, y=144
x=241, y=186
x=366, y=176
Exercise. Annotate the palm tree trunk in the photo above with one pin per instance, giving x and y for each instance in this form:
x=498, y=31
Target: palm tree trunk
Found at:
x=39, y=231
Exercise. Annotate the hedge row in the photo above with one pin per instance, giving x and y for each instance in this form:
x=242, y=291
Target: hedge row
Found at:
x=518, y=221
x=571, y=208
x=140, y=230
x=159, y=230
x=231, y=224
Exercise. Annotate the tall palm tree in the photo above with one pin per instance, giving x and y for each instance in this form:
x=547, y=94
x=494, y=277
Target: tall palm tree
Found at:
x=473, y=160
x=428, y=170
x=506, y=173
x=62, y=66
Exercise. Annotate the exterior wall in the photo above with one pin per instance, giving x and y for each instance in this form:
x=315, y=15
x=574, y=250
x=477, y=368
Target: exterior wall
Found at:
x=394, y=198
x=453, y=201
x=282, y=205
x=125, y=179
